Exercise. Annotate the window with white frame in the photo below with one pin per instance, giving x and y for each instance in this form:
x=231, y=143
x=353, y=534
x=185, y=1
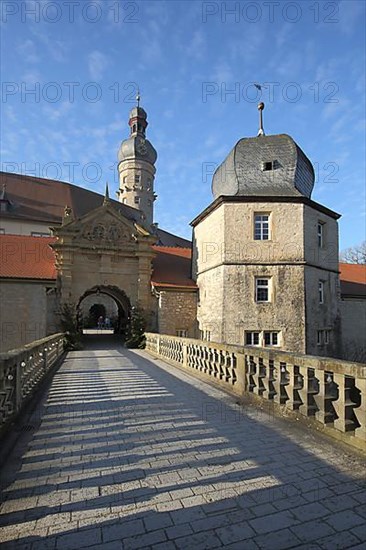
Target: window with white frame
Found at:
x=261, y=227
x=320, y=234
x=252, y=338
x=262, y=289
x=270, y=338
x=321, y=292
x=182, y=332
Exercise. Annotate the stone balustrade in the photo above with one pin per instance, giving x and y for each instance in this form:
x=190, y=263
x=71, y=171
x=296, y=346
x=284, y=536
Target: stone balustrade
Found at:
x=330, y=391
x=22, y=370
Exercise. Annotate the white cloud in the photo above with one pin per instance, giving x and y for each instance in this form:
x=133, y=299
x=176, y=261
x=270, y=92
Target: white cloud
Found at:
x=97, y=62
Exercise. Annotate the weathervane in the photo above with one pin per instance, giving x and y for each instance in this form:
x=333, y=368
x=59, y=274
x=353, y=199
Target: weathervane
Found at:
x=260, y=109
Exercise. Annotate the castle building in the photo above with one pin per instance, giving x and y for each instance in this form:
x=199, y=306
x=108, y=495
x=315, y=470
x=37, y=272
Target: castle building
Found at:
x=262, y=269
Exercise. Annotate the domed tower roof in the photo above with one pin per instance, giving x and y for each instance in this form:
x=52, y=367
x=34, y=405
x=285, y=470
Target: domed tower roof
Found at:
x=265, y=166
x=137, y=146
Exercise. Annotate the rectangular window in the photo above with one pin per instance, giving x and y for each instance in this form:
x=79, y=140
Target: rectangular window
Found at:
x=269, y=165
x=320, y=234
x=261, y=227
x=137, y=200
x=39, y=234
x=323, y=337
x=270, y=338
x=321, y=292
x=262, y=290
x=2, y=231
x=137, y=178
x=207, y=335
x=182, y=332
x=252, y=338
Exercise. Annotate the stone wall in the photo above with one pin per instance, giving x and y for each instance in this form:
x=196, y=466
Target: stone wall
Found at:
x=177, y=310
x=23, y=313
x=227, y=261
x=353, y=318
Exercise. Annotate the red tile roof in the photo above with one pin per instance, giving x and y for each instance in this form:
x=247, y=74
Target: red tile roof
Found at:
x=27, y=257
x=355, y=273
x=172, y=268
x=353, y=280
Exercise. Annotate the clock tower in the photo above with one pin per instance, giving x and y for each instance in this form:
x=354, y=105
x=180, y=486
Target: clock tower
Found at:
x=136, y=166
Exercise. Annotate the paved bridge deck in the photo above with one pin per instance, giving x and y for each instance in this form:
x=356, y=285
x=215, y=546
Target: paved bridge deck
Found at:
x=127, y=452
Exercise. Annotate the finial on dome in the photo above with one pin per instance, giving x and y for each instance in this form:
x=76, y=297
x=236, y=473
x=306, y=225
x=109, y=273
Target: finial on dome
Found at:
x=138, y=97
x=260, y=109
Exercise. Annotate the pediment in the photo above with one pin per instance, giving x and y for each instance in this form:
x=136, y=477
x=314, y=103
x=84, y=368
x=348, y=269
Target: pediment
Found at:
x=104, y=226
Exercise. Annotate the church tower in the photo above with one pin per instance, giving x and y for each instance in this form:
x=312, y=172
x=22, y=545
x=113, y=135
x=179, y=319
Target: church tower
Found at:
x=136, y=160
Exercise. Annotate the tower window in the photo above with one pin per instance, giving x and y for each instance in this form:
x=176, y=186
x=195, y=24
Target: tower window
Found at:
x=262, y=289
x=268, y=165
x=252, y=338
x=137, y=200
x=137, y=178
x=321, y=292
x=261, y=227
x=124, y=179
x=320, y=234
x=271, y=338
x=134, y=128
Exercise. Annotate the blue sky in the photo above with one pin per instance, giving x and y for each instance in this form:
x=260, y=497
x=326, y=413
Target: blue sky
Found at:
x=83, y=60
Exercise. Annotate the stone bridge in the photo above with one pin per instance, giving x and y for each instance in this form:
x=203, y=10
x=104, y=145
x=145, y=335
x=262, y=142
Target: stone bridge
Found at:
x=119, y=449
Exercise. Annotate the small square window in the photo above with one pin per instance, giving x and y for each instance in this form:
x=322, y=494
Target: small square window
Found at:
x=252, y=338
x=262, y=290
x=267, y=166
x=137, y=178
x=271, y=338
x=137, y=200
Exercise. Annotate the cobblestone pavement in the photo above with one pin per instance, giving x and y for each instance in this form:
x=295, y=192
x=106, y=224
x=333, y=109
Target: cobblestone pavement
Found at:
x=127, y=452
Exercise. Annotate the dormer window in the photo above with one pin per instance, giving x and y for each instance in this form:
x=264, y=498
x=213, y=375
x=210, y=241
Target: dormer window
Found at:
x=268, y=165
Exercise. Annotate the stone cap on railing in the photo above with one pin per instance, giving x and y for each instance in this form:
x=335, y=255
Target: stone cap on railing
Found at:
x=4, y=356
x=339, y=366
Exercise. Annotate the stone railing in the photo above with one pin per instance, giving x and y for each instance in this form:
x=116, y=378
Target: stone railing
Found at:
x=330, y=391
x=22, y=370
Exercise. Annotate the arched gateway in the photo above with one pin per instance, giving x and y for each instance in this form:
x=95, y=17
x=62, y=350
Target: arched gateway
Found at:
x=107, y=252
x=123, y=306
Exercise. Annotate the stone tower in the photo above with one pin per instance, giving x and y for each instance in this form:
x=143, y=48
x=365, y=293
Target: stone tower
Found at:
x=265, y=256
x=136, y=160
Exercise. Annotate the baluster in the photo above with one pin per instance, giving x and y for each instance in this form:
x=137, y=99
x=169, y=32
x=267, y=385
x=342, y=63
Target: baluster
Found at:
x=360, y=412
x=308, y=407
x=277, y=381
x=264, y=380
x=322, y=396
x=344, y=405
x=255, y=374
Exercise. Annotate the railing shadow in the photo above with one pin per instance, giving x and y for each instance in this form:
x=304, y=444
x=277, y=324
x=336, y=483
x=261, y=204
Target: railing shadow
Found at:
x=130, y=451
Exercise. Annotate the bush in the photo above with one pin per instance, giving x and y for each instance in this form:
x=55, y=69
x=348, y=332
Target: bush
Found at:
x=70, y=322
x=135, y=334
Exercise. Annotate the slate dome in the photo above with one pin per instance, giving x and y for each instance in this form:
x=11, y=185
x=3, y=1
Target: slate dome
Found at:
x=265, y=166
